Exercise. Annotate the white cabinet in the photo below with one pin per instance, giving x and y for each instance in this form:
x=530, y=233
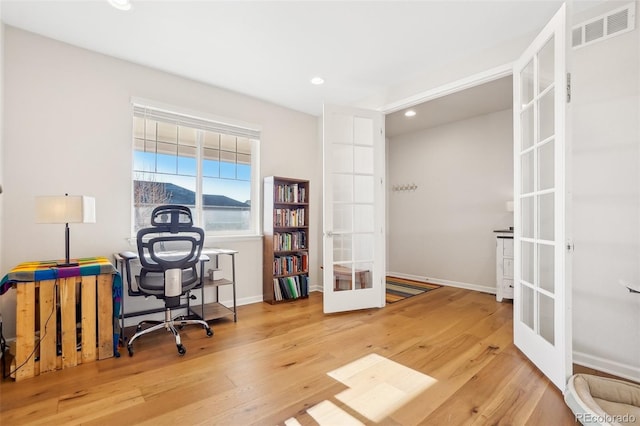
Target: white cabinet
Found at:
x=504, y=265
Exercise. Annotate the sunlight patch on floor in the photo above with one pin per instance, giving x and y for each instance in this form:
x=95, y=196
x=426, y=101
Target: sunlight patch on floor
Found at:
x=327, y=413
x=377, y=388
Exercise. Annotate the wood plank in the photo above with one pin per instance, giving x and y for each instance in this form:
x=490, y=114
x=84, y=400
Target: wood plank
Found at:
x=272, y=366
x=25, y=330
x=105, y=316
x=89, y=318
x=68, y=321
x=48, y=325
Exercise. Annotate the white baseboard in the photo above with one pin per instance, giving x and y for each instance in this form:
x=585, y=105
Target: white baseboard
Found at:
x=449, y=283
x=243, y=301
x=607, y=366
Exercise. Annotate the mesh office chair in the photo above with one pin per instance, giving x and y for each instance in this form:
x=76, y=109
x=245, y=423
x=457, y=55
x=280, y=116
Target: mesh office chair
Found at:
x=170, y=253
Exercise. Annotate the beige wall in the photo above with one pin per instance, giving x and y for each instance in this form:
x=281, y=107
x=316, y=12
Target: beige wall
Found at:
x=606, y=201
x=464, y=173
x=68, y=129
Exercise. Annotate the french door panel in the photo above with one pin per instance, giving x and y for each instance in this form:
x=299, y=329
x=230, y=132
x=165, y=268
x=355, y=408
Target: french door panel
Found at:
x=541, y=298
x=353, y=234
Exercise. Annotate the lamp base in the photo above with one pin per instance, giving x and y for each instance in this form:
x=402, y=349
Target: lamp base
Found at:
x=66, y=264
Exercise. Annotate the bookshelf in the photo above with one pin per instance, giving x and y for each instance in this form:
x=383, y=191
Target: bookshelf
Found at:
x=286, y=240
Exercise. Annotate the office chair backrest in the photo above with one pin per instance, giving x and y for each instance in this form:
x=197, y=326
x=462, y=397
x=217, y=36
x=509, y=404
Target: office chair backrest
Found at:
x=172, y=243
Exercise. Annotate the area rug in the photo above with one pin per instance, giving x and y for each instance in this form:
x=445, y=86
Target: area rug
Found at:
x=401, y=288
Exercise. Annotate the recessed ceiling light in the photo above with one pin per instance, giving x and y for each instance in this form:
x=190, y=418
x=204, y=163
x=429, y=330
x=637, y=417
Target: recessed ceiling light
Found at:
x=410, y=113
x=120, y=4
x=317, y=81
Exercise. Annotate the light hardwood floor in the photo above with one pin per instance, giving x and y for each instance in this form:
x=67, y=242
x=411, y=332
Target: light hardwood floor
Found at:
x=272, y=365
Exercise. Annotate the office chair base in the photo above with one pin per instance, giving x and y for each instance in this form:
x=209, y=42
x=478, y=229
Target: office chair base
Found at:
x=170, y=326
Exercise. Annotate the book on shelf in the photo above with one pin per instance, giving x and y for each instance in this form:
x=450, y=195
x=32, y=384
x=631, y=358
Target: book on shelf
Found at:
x=287, y=241
x=291, y=193
x=288, y=288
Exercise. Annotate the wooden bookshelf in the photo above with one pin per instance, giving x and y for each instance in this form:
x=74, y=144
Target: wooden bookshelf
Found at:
x=286, y=239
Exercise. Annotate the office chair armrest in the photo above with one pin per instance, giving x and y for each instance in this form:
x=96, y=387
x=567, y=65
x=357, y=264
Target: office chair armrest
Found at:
x=127, y=257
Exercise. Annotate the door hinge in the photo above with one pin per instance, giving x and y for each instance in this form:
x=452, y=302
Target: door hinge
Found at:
x=568, y=87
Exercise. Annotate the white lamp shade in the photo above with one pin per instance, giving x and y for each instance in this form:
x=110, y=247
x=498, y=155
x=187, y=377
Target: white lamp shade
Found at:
x=66, y=209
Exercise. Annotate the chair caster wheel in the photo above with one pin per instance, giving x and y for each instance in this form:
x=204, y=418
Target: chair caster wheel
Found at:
x=130, y=350
x=209, y=332
x=181, y=350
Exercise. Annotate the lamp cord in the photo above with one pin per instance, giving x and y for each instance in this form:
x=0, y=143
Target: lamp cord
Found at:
x=36, y=347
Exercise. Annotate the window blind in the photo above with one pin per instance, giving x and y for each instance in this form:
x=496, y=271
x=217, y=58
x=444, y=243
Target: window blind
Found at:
x=144, y=111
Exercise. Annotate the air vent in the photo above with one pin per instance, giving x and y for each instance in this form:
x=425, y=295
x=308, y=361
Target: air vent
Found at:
x=600, y=28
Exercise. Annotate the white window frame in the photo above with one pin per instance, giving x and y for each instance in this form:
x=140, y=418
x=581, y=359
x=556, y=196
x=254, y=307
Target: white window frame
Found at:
x=220, y=124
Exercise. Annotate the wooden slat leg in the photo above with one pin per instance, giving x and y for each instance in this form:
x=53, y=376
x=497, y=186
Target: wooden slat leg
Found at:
x=48, y=326
x=88, y=309
x=68, y=321
x=105, y=316
x=25, y=330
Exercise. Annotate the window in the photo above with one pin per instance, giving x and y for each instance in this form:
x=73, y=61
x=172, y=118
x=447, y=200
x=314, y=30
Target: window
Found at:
x=209, y=166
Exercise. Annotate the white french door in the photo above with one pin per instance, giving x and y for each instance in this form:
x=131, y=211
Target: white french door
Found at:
x=353, y=216
x=542, y=317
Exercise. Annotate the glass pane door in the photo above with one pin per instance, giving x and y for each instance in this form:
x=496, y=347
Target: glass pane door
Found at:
x=541, y=304
x=353, y=241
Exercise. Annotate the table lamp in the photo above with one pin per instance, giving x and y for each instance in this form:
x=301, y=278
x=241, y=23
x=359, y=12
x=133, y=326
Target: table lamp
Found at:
x=66, y=209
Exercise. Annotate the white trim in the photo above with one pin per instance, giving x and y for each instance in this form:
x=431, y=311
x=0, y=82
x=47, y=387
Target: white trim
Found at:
x=449, y=88
x=607, y=366
x=448, y=283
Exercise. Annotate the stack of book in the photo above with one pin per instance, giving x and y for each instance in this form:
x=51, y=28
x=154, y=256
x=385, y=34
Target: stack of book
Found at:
x=287, y=288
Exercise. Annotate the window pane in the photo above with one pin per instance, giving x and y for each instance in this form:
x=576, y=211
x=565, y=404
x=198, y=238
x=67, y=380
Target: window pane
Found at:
x=211, y=140
x=546, y=165
x=526, y=77
x=228, y=143
x=527, y=306
x=167, y=132
x=527, y=128
x=166, y=163
x=546, y=318
x=187, y=160
x=546, y=66
x=527, y=261
x=528, y=178
x=546, y=114
x=243, y=172
x=187, y=136
x=244, y=146
x=227, y=165
x=546, y=266
x=168, y=159
x=546, y=213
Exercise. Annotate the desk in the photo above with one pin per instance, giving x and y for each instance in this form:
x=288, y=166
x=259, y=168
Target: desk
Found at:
x=88, y=294
x=204, y=311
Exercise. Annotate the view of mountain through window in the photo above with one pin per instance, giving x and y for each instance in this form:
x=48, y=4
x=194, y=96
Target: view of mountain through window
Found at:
x=208, y=171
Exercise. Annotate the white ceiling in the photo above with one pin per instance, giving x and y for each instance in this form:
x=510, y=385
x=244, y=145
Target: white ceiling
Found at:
x=270, y=50
x=490, y=97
